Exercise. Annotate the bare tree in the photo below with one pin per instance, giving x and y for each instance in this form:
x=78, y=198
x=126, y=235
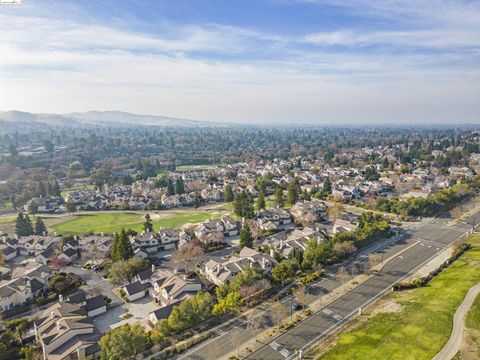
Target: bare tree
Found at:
x=456, y=213
x=254, y=323
x=373, y=260
x=300, y=295
x=335, y=210
x=343, y=275
x=95, y=291
x=188, y=255
x=278, y=311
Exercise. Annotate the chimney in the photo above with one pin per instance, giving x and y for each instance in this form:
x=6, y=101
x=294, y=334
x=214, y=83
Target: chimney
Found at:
x=59, y=326
x=101, y=234
x=175, y=271
x=52, y=315
x=81, y=353
x=272, y=253
x=60, y=298
x=153, y=268
x=44, y=233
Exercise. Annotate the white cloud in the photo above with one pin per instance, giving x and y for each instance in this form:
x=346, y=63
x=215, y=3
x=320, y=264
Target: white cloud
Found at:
x=205, y=72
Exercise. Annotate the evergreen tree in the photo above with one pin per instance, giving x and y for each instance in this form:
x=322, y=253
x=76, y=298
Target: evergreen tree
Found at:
x=28, y=225
x=278, y=196
x=114, y=250
x=179, y=186
x=56, y=189
x=20, y=225
x=124, y=248
x=238, y=204
x=148, y=225
x=40, y=227
x=327, y=187
x=170, y=187
x=246, y=238
x=249, y=209
x=260, y=201
x=293, y=191
x=197, y=199
x=228, y=194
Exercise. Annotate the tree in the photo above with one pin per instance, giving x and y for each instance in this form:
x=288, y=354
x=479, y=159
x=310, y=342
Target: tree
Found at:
x=293, y=192
x=170, y=187
x=59, y=263
x=148, y=225
x=190, y=312
x=124, y=270
x=188, y=254
x=33, y=207
x=278, y=197
x=278, y=311
x=124, y=342
x=260, y=201
x=300, y=295
x=243, y=205
x=197, y=199
x=246, y=239
x=254, y=323
x=28, y=225
x=228, y=195
x=179, y=186
x=233, y=301
x=327, y=187
x=124, y=248
x=343, y=275
x=284, y=271
x=71, y=207
x=335, y=210
x=20, y=229
x=40, y=227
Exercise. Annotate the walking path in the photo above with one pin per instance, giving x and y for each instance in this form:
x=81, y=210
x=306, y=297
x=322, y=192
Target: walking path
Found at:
x=456, y=337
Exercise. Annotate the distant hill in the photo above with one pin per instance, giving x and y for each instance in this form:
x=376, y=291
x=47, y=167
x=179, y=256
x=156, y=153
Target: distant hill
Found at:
x=13, y=119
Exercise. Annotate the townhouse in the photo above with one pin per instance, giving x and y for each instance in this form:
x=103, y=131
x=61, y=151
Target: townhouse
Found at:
x=222, y=273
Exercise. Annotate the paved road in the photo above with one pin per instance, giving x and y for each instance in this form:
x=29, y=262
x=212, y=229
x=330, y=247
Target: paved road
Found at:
x=431, y=237
x=454, y=343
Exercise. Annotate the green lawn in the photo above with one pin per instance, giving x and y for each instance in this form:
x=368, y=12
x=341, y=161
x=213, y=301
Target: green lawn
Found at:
x=423, y=325
x=472, y=320
x=7, y=219
x=200, y=166
x=115, y=221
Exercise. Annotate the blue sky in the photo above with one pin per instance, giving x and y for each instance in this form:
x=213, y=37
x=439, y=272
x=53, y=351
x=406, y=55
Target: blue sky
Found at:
x=263, y=61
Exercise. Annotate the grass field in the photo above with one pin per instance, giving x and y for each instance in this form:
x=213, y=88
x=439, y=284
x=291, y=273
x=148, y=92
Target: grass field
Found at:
x=472, y=320
x=115, y=221
x=422, y=326
x=200, y=166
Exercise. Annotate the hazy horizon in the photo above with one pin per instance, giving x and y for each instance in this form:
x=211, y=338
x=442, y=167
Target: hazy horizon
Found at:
x=281, y=62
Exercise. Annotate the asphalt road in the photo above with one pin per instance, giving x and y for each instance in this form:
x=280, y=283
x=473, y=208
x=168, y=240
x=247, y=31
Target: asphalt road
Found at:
x=431, y=237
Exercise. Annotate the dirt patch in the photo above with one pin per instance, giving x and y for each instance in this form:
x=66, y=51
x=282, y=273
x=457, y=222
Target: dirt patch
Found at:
x=387, y=306
x=470, y=349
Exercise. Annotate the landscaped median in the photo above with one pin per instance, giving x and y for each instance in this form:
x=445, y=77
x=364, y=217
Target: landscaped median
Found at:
x=416, y=323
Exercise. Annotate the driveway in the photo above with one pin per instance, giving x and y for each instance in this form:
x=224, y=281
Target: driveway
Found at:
x=94, y=281
x=113, y=318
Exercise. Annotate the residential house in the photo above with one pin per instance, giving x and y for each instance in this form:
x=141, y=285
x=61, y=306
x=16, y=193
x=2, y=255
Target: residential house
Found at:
x=65, y=331
x=222, y=273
